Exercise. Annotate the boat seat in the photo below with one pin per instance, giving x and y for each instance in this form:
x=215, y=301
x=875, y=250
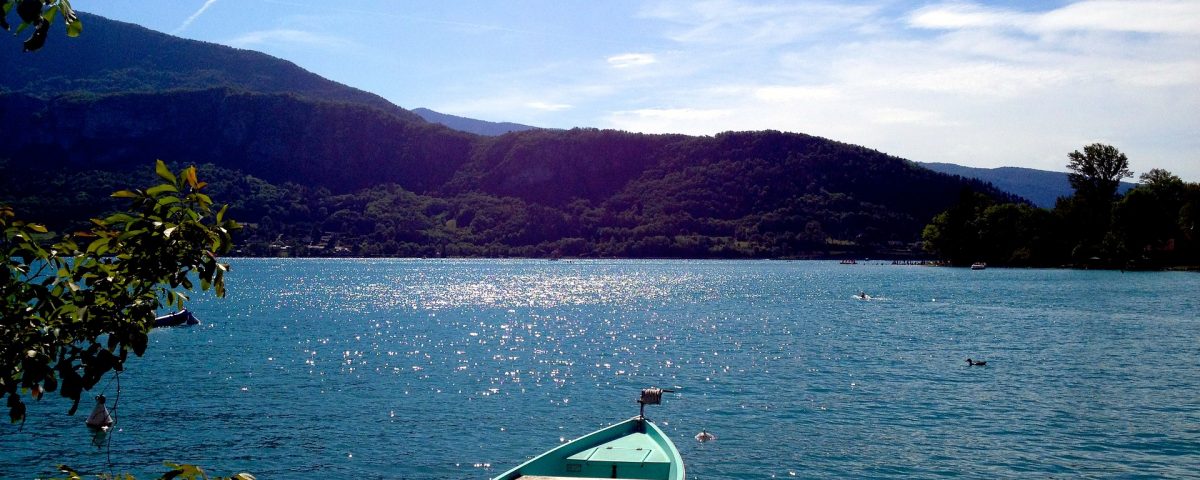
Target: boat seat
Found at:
x=542, y=477
x=632, y=456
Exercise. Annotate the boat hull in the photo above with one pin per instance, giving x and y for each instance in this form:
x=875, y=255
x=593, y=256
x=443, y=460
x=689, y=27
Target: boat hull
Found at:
x=633, y=449
x=177, y=319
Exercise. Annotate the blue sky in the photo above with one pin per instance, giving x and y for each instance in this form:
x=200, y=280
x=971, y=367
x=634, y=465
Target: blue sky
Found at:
x=975, y=83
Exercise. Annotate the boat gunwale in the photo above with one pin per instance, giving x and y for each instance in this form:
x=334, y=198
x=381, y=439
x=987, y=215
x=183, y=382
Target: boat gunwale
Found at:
x=574, y=446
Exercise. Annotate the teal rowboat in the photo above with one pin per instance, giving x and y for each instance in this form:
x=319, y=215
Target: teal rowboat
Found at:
x=633, y=449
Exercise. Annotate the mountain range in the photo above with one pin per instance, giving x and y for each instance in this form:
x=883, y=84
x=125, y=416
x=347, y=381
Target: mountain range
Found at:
x=1041, y=187
x=470, y=125
x=318, y=168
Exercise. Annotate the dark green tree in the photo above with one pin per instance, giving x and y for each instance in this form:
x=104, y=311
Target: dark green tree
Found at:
x=1013, y=234
x=954, y=234
x=1097, y=172
x=1160, y=180
x=1146, y=221
x=1095, y=175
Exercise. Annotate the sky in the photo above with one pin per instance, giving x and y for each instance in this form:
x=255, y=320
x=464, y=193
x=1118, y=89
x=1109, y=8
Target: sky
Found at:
x=977, y=83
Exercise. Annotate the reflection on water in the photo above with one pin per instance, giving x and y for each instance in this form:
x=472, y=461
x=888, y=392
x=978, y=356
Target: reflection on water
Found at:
x=461, y=369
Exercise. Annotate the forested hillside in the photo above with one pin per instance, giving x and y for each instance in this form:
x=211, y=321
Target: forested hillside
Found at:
x=119, y=57
x=316, y=168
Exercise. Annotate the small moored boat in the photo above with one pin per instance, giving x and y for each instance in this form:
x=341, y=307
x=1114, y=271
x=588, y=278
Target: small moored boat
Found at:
x=633, y=449
x=978, y=266
x=182, y=317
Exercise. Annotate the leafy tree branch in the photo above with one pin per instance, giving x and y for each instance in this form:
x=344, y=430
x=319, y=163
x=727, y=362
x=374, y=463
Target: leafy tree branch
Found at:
x=40, y=14
x=74, y=309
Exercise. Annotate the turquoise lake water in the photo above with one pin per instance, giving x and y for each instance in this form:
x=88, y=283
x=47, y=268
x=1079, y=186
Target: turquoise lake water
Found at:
x=461, y=369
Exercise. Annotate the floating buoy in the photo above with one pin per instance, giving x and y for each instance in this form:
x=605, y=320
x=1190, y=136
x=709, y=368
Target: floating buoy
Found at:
x=704, y=436
x=99, y=418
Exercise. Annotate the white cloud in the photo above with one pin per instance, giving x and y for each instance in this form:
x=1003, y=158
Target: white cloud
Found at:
x=694, y=121
x=964, y=15
x=188, y=22
x=957, y=82
x=1147, y=16
x=785, y=93
x=906, y=116
x=1156, y=16
x=547, y=107
x=629, y=60
x=674, y=113
x=292, y=37
x=736, y=22
x=971, y=79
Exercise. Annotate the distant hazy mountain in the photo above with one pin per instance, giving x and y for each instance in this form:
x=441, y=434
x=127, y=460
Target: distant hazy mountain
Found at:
x=471, y=125
x=1041, y=187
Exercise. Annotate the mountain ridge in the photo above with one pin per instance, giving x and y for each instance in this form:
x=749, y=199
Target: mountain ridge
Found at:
x=151, y=61
x=317, y=168
x=471, y=125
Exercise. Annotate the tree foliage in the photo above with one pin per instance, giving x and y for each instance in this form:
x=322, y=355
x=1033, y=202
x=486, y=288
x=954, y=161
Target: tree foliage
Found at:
x=1097, y=171
x=1152, y=225
x=40, y=15
x=74, y=309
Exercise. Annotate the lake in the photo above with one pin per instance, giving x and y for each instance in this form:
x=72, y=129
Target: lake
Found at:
x=461, y=369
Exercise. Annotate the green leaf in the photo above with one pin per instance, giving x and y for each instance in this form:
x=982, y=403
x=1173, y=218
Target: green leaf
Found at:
x=161, y=169
x=154, y=191
x=50, y=14
x=124, y=194
x=95, y=246
x=203, y=199
x=74, y=26
x=119, y=218
x=221, y=213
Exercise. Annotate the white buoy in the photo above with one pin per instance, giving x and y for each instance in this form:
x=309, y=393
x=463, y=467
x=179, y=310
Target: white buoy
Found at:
x=99, y=417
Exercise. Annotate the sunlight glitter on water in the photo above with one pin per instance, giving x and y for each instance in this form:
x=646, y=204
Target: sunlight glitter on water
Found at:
x=463, y=368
